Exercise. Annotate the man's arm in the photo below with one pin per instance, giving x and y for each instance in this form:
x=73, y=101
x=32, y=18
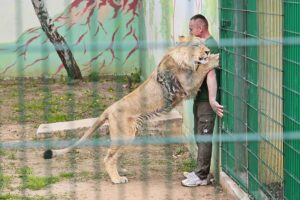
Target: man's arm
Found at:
x=211, y=81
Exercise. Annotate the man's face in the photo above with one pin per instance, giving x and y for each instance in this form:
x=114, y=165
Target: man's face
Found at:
x=196, y=27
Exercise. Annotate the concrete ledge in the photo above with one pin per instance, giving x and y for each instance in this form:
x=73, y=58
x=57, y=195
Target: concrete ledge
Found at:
x=168, y=122
x=230, y=187
x=65, y=126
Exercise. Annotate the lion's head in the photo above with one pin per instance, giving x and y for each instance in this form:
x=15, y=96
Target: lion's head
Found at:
x=186, y=65
x=192, y=56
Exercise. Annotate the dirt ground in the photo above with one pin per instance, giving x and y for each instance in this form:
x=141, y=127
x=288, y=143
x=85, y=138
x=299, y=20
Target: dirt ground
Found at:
x=154, y=171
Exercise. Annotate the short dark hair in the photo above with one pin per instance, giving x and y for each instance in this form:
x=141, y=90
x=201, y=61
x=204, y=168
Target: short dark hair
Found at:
x=199, y=16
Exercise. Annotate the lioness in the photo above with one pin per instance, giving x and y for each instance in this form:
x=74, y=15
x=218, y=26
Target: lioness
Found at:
x=177, y=77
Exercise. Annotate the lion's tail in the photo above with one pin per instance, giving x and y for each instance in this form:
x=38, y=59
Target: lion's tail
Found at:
x=48, y=154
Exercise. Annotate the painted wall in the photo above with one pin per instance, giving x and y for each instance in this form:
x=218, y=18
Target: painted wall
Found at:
x=101, y=33
x=115, y=37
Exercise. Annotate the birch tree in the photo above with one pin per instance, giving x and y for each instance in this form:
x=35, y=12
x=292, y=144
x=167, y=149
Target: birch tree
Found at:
x=57, y=40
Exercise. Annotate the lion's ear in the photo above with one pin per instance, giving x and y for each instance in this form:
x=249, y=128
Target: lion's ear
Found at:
x=183, y=38
x=189, y=41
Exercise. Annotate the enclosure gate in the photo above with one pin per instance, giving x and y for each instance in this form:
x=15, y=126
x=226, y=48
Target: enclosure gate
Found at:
x=260, y=92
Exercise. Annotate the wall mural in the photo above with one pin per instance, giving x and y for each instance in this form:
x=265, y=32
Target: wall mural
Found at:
x=100, y=33
x=110, y=36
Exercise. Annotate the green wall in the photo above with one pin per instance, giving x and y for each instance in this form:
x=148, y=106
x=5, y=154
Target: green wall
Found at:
x=103, y=35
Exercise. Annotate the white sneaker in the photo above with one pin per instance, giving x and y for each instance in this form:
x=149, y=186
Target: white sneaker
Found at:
x=190, y=175
x=192, y=182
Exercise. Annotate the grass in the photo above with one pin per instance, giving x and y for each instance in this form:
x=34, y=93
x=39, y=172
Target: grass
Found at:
x=18, y=197
x=24, y=171
x=81, y=176
x=57, y=118
x=135, y=76
x=94, y=76
x=29, y=181
x=179, y=150
x=53, y=101
x=12, y=156
x=39, y=182
x=2, y=152
x=4, y=181
x=67, y=175
x=188, y=165
x=32, y=182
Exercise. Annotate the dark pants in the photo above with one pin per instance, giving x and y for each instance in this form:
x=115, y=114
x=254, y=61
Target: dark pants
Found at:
x=204, y=125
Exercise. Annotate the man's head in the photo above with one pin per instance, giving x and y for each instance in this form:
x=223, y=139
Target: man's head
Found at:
x=199, y=26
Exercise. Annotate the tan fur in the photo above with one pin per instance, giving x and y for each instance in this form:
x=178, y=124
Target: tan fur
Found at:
x=184, y=63
x=189, y=39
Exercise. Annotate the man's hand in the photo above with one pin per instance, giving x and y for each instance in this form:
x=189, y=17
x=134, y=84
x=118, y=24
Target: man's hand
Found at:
x=217, y=108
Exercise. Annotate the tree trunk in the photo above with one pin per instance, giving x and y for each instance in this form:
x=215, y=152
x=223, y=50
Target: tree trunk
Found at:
x=57, y=40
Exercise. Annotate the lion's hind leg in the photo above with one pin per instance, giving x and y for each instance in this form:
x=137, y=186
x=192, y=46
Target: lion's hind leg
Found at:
x=119, y=132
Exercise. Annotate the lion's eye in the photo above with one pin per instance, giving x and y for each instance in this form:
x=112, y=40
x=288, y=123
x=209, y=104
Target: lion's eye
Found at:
x=202, y=58
x=207, y=52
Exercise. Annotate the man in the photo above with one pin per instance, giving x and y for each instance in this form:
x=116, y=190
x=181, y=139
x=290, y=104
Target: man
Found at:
x=205, y=104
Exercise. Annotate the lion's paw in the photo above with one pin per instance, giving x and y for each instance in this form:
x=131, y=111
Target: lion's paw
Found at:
x=122, y=179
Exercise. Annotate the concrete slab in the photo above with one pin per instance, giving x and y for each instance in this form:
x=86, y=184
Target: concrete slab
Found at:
x=65, y=126
x=172, y=120
x=230, y=187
